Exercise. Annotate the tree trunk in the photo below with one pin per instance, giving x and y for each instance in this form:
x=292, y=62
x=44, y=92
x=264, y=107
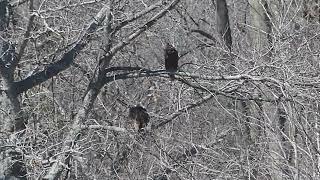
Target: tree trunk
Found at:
x=261, y=29
x=260, y=35
x=11, y=116
x=223, y=24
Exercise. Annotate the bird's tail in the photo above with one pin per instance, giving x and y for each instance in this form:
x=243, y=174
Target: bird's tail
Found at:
x=171, y=77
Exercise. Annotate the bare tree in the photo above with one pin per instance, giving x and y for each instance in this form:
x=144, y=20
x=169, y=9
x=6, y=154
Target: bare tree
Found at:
x=71, y=70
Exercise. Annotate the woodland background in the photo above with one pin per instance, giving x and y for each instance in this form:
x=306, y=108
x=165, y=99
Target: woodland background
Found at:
x=244, y=105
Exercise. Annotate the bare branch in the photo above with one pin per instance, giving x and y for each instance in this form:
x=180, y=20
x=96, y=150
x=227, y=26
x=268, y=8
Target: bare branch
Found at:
x=26, y=35
x=142, y=28
x=180, y=111
x=71, y=6
x=146, y=73
x=67, y=58
x=91, y=94
x=111, y=128
x=18, y=3
x=205, y=34
x=136, y=16
x=227, y=91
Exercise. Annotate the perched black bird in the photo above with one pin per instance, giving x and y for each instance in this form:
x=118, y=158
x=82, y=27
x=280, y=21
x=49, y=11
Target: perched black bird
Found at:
x=171, y=58
x=140, y=117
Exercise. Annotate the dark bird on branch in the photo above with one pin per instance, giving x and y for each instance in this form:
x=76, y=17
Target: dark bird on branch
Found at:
x=171, y=58
x=140, y=117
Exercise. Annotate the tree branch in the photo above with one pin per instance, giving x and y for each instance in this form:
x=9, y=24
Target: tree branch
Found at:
x=136, y=16
x=141, y=29
x=93, y=90
x=205, y=34
x=67, y=58
x=26, y=35
x=146, y=73
x=180, y=111
x=111, y=128
x=227, y=91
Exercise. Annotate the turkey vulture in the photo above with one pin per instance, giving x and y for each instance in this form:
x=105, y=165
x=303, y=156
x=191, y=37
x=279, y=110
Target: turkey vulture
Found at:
x=171, y=58
x=140, y=116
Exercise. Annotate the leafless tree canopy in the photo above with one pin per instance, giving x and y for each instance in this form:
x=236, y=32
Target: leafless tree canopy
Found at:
x=244, y=103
